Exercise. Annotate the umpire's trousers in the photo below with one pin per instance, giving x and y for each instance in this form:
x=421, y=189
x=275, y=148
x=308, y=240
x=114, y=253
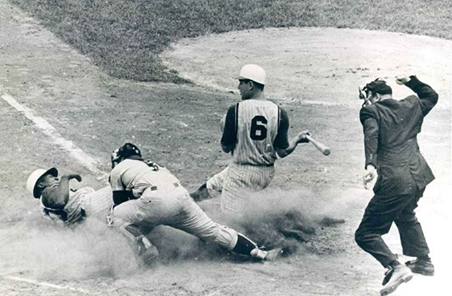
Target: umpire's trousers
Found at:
x=378, y=217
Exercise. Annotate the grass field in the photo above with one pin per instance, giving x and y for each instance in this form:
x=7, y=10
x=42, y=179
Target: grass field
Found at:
x=124, y=37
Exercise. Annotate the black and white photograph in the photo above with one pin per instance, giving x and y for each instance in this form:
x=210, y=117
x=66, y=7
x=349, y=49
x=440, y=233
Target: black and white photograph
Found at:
x=225, y=147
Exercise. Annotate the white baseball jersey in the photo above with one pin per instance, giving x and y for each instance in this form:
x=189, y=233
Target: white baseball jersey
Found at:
x=85, y=202
x=162, y=201
x=253, y=128
x=257, y=127
x=137, y=176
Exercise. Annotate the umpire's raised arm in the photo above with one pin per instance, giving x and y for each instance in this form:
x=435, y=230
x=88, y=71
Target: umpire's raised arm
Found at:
x=426, y=94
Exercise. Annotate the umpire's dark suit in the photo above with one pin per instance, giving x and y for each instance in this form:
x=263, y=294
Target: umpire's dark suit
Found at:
x=390, y=131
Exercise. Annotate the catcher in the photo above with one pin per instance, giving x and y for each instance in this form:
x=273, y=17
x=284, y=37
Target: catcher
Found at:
x=146, y=195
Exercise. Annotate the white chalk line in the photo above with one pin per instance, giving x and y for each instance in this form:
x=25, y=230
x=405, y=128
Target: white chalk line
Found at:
x=45, y=284
x=78, y=154
x=84, y=159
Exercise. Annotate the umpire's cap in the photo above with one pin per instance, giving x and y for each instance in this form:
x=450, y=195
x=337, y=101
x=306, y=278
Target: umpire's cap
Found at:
x=253, y=72
x=378, y=86
x=34, y=177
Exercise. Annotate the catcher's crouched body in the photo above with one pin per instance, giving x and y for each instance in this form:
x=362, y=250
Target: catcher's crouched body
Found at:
x=147, y=195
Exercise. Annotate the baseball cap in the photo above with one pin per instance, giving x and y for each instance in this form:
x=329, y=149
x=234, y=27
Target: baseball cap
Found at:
x=378, y=86
x=34, y=178
x=253, y=72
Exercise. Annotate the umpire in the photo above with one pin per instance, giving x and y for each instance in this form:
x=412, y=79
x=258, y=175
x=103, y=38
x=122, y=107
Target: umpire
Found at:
x=392, y=152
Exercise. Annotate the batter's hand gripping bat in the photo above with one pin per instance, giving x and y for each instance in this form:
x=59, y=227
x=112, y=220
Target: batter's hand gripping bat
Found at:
x=320, y=146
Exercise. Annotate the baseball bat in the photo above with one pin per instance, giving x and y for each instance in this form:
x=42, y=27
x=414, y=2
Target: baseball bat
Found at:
x=320, y=146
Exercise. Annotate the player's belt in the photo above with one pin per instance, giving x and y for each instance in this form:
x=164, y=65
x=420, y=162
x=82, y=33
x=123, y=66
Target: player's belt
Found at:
x=155, y=188
x=257, y=165
x=119, y=200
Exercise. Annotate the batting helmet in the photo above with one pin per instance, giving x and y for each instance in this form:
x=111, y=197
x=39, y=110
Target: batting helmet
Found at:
x=34, y=177
x=378, y=86
x=253, y=72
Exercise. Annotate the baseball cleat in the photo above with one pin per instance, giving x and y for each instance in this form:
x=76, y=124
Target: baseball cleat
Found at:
x=274, y=254
x=394, y=277
x=424, y=267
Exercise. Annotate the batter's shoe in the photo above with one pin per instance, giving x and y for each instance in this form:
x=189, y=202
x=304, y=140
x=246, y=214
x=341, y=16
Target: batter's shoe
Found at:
x=394, y=277
x=424, y=267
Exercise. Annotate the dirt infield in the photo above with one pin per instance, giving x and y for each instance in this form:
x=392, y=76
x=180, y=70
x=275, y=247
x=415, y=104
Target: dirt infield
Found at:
x=314, y=64
x=313, y=74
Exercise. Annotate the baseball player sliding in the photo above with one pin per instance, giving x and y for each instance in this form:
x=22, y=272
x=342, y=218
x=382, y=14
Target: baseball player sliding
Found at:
x=61, y=204
x=255, y=132
x=147, y=195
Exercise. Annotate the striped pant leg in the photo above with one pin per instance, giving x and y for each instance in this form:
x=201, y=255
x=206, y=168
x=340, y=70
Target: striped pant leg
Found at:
x=217, y=181
x=240, y=181
x=97, y=204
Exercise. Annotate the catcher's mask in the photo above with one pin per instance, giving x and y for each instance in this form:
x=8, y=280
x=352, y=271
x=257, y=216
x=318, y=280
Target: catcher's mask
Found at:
x=128, y=150
x=378, y=86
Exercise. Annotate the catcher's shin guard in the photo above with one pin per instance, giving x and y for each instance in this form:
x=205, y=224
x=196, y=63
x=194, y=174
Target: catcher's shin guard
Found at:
x=247, y=247
x=244, y=245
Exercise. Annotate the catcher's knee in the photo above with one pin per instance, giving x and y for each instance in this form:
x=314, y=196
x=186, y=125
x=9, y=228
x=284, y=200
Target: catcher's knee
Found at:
x=225, y=237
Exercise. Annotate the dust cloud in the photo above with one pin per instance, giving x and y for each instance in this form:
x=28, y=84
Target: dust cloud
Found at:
x=39, y=247
x=297, y=220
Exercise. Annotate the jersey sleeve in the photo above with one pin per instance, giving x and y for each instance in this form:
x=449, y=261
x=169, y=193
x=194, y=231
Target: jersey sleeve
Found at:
x=282, y=140
x=115, y=180
x=229, y=137
x=371, y=134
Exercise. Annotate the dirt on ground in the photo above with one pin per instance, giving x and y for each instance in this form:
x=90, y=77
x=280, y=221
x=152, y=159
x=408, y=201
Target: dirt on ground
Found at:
x=56, y=103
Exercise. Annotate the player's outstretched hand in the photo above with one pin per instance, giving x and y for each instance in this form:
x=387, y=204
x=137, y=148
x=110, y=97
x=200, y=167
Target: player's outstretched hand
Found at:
x=75, y=176
x=402, y=79
x=302, y=137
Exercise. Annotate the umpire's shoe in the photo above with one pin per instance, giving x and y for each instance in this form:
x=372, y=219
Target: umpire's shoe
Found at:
x=394, y=277
x=421, y=266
